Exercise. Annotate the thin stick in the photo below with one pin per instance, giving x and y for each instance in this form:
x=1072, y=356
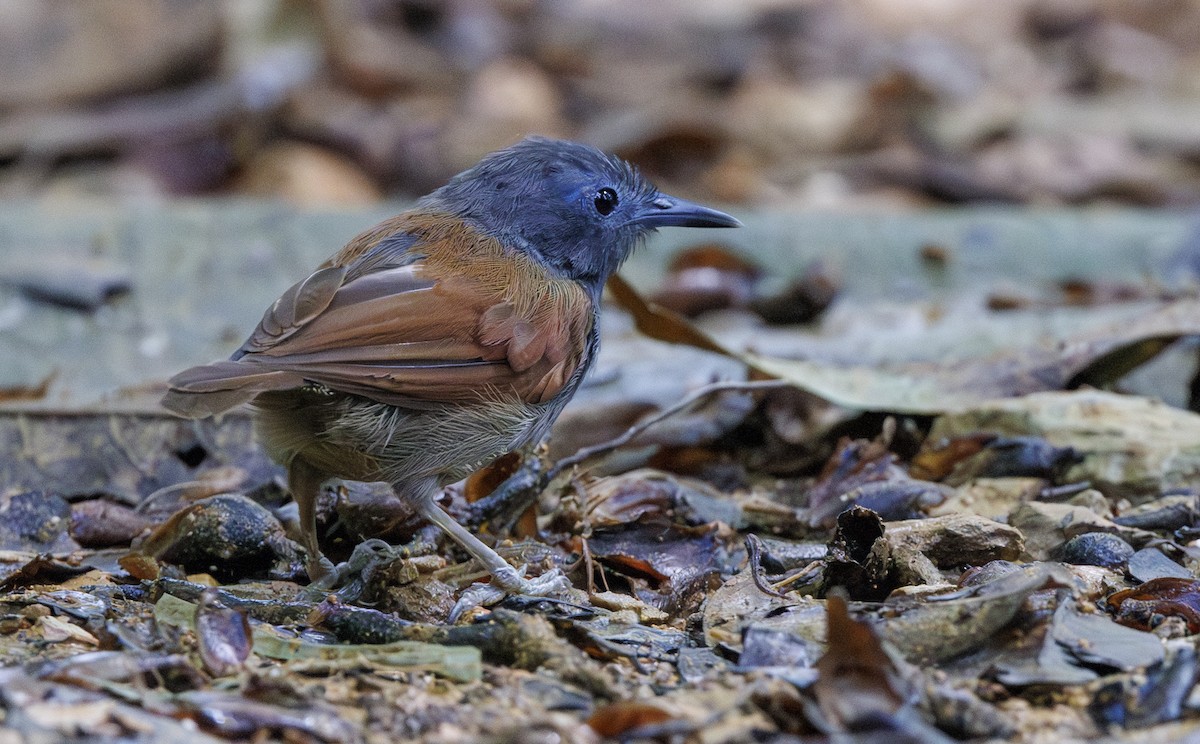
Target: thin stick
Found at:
x=754, y=550
x=587, y=453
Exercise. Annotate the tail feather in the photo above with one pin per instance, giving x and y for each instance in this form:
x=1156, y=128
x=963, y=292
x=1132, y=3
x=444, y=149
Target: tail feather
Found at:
x=215, y=388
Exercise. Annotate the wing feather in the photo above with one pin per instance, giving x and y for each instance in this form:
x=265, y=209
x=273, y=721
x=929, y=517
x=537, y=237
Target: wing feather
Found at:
x=412, y=330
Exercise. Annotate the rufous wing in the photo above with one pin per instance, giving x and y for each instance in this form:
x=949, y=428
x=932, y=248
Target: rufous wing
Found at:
x=414, y=332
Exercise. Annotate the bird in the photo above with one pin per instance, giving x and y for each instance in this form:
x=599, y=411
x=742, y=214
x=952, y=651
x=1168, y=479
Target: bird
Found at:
x=443, y=337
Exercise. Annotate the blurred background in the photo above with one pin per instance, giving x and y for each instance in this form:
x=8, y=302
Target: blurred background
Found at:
x=854, y=104
x=919, y=179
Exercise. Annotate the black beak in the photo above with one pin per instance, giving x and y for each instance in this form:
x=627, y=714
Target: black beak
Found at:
x=669, y=211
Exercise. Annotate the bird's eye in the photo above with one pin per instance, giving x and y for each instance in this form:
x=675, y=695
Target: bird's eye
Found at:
x=605, y=201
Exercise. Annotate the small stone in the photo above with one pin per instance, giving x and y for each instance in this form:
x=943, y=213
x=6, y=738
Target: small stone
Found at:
x=1096, y=549
x=1150, y=563
x=990, y=497
x=56, y=630
x=229, y=536
x=621, y=602
x=957, y=540
x=36, y=521
x=1047, y=526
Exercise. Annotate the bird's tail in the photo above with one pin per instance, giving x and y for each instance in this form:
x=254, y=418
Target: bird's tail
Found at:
x=215, y=388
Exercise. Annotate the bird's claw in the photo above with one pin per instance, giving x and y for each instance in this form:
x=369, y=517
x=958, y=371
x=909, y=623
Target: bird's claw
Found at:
x=506, y=582
x=550, y=584
x=513, y=581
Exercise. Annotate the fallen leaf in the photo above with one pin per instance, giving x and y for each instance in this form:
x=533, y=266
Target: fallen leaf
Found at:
x=855, y=682
x=619, y=718
x=1098, y=356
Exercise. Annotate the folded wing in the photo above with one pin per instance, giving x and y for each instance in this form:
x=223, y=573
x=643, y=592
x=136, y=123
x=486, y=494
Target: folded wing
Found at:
x=413, y=331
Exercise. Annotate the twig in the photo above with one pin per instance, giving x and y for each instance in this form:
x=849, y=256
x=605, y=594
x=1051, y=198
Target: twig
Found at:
x=587, y=453
x=1067, y=490
x=754, y=550
x=804, y=575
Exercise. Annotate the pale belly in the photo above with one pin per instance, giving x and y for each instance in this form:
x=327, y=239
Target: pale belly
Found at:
x=358, y=439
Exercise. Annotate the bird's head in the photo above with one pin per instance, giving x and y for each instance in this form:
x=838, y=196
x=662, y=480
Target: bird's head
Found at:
x=575, y=209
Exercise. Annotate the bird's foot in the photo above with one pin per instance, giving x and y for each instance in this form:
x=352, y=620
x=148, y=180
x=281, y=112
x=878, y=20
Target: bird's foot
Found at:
x=513, y=581
x=506, y=582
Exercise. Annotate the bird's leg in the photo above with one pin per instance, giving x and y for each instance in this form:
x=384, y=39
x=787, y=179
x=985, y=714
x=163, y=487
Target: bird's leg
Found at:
x=305, y=481
x=505, y=577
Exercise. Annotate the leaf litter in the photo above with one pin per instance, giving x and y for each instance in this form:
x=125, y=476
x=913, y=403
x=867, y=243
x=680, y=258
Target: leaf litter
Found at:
x=848, y=557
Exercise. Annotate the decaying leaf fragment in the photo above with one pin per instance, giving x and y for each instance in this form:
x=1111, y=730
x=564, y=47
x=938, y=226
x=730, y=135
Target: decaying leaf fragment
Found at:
x=859, y=559
x=1100, y=355
x=454, y=662
x=1079, y=646
x=223, y=633
x=941, y=627
x=1148, y=605
x=857, y=688
x=1129, y=447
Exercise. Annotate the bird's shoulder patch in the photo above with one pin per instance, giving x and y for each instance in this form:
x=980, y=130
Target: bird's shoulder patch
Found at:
x=452, y=315
x=538, y=323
